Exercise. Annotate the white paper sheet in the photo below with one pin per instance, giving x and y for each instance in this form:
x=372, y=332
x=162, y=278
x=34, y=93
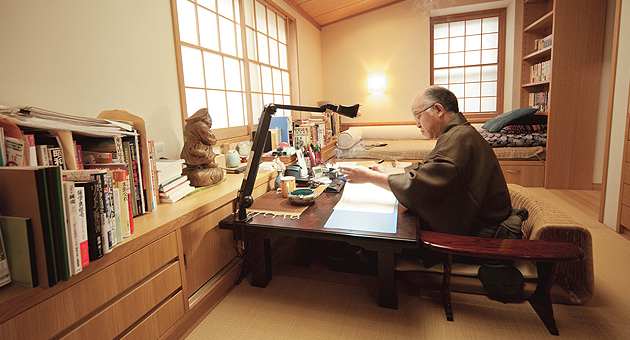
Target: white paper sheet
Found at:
x=366, y=197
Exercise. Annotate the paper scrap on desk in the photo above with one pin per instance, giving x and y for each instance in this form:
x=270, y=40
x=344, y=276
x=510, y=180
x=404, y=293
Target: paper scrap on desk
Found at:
x=365, y=207
x=367, y=197
x=346, y=163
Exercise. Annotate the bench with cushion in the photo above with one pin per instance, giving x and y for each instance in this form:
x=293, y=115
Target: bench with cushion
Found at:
x=572, y=265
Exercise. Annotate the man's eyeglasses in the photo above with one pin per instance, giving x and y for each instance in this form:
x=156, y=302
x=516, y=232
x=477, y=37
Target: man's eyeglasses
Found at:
x=416, y=115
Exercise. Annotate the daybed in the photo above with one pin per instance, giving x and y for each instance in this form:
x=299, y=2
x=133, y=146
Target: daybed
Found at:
x=405, y=142
x=575, y=279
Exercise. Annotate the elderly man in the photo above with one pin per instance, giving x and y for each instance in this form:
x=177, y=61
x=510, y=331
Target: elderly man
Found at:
x=459, y=188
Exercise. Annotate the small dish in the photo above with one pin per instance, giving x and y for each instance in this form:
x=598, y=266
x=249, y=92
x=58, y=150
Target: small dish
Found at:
x=302, y=196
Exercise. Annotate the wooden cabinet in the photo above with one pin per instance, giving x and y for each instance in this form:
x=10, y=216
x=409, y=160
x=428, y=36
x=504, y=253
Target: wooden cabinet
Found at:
x=575, y=60
x=524, y=173
x=623, y=225
x=147, y=285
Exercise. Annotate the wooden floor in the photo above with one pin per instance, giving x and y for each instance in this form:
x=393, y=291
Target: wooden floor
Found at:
x=303, y=303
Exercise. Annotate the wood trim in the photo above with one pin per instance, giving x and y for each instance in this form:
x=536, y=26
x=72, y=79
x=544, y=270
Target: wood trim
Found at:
x=178, y=63
x=360, y=13
x=611, y=100
x=303, y=13
x=502, y=14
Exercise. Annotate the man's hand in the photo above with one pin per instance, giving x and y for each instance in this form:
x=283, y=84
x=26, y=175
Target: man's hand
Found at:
x=361, y=174
x=378, y=167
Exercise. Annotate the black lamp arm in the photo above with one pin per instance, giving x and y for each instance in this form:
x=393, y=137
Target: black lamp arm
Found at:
x=244, y=197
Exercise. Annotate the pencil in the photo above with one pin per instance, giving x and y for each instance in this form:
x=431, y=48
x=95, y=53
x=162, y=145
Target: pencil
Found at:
x=381, y=161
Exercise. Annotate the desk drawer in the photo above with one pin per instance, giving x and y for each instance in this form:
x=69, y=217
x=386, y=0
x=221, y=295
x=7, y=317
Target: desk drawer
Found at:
x=131, y=307
x=524, y=174
x=625, y=216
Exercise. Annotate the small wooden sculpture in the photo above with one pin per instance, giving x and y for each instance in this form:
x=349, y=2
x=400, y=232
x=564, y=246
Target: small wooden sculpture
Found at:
x=201, y=168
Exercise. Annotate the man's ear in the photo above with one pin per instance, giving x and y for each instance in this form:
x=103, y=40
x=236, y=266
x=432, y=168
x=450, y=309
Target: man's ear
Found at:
x=439, y=109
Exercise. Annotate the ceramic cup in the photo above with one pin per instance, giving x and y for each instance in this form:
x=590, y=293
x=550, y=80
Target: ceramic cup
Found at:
x=287, y=184
x=232, y=159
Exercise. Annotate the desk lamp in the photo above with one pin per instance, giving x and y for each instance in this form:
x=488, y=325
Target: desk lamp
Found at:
x=244, y=199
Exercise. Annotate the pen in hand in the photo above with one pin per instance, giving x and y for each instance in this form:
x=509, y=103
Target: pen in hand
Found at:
x=373, y=166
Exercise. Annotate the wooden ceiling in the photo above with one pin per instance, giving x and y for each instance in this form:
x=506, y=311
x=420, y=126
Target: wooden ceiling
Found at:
x=325, y=12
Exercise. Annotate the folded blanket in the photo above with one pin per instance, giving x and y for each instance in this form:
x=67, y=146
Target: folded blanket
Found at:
x=524, y=128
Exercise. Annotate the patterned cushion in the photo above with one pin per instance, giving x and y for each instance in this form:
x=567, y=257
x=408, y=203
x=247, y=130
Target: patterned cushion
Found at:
x=497, y=139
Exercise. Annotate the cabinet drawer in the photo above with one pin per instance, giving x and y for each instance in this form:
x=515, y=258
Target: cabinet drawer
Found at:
x=64, y=309
x=625, y=197
x=626, y=173
x=160, y=320
x=124, y=312
x=525, y=175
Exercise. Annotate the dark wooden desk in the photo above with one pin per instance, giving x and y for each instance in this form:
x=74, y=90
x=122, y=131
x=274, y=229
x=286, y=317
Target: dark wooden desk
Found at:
x=311, y=225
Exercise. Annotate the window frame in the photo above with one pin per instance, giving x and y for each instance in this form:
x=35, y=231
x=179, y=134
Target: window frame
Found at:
x=242, y=132
x=477, y=117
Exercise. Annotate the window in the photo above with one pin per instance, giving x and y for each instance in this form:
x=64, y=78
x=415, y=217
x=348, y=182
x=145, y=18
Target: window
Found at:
x=229, y=68
x=467, y=57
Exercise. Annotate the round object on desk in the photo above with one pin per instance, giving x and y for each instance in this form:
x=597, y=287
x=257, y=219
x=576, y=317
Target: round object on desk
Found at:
x=302, y=196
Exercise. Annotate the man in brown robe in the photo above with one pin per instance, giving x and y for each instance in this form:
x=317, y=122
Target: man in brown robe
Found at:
x=459, y=188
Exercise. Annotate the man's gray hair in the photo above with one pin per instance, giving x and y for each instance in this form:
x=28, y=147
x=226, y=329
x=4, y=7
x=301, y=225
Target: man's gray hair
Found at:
x=438, y=94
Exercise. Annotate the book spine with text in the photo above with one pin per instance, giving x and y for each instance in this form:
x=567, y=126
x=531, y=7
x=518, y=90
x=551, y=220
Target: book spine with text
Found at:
x=93, y=217
x=82, y=233
x=72, y=211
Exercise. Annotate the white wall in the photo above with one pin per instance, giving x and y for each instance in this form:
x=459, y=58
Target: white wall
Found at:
x=396, y=40
x=83, y=57
x=618, y=125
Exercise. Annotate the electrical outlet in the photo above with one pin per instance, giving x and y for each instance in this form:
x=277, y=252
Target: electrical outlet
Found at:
x=160, y=150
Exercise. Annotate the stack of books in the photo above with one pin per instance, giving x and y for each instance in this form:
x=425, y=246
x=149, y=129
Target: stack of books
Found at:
x=173, y=184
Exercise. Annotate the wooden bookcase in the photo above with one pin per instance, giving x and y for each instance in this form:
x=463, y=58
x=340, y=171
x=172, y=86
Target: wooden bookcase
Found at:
x=623, y=224
x=577, y=29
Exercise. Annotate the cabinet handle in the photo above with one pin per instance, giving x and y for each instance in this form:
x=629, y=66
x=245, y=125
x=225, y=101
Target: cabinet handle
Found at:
x=513, y=171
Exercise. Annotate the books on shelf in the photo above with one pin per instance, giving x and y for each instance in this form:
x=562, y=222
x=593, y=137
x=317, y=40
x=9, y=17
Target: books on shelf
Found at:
x=539, y=100
x=19, y=247
x=173, y=183
x=540, y=72
x=168, y=169
x=14, y=151
x=30, y=153
x=545, y=42
x=25, y=194
x=2, y=149
x=177, y=193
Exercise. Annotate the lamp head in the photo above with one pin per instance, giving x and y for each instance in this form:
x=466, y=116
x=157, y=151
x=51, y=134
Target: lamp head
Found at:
x=348, y=111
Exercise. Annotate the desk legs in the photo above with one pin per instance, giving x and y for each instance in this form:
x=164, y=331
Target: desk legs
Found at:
x=261, y=263
x=387, y=294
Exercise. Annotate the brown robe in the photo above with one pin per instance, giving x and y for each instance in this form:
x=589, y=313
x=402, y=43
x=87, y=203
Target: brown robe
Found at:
x=459, y=188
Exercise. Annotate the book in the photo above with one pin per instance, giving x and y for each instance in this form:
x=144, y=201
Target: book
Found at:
x=14, y=151
x=25, y=194
x=136, y=162
x=72, y=212
x=30, y=153
x=19, y=246
x=134, y=176
x=42, y=154
x=108, y=228
x=285, y=124
x=173, y=183
x=79, y=156
x=176, y=196
x=93, y=157
x=121, y=181
x=99, y=176
x=117, y=215
x=82, y=233
x=92, y=193
x=152, y=172
x=171, y=190
x=168, y=169
x=5, y=275
x=57, y=212
x=55, y=155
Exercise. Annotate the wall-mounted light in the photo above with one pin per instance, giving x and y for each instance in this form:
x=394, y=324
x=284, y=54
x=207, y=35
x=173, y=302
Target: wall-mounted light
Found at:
x=377, y=82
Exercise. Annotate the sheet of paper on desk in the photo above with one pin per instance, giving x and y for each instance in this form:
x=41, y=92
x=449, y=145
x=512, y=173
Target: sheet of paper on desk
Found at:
x=365, y=207
x=366, y=197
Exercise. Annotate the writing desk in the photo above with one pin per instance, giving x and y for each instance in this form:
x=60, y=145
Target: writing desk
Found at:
x=311, y=225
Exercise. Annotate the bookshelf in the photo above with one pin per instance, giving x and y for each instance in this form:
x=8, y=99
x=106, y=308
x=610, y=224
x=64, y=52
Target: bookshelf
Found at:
x=573, y=68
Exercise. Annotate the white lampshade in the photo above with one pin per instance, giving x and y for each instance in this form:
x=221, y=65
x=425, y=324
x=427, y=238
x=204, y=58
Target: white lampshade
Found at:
x=377, y=82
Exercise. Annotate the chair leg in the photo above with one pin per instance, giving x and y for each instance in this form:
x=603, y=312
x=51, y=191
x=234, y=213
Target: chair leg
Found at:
x=446, y=287
x=541, y=299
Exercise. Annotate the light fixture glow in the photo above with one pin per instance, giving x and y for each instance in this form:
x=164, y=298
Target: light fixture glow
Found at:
x=377, y=82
